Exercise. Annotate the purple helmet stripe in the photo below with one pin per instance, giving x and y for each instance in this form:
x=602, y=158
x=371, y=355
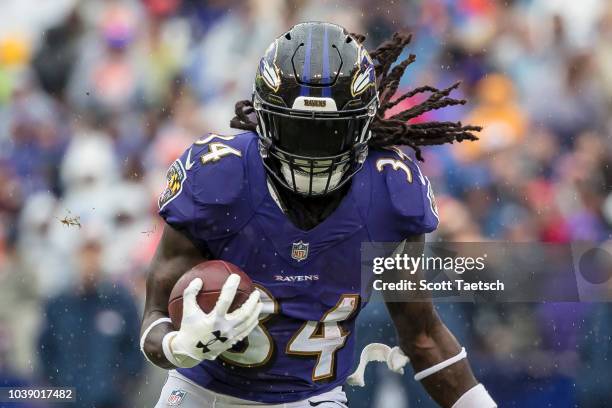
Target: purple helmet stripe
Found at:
x=304, y=90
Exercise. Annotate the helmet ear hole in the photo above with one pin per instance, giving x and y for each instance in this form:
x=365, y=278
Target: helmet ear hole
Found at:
x=288, y=35
x=348, y=39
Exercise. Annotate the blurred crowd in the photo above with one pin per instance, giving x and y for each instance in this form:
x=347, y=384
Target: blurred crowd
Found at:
x=98, y=97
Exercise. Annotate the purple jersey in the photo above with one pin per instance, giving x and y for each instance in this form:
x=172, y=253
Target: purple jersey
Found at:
x=218, y=196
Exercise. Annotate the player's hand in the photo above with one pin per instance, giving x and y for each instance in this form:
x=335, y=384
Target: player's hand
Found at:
x=203, y=336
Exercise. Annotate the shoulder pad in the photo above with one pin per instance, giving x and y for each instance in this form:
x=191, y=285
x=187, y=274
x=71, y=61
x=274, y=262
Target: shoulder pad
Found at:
x=409, y=192
x=207, y=189
x=218, y=167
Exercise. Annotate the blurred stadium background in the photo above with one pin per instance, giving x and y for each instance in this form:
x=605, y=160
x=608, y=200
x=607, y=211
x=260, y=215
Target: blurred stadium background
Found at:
x=97, y=98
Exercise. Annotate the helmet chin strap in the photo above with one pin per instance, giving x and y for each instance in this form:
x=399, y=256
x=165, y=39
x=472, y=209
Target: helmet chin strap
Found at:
x=319, y=182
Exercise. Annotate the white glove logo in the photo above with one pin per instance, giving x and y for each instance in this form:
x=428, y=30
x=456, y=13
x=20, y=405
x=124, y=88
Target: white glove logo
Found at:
x=203, y=336
x=217, y=335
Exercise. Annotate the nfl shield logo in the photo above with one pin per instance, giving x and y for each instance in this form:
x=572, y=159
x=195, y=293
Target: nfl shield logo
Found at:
x=176, y=397
x=299, y=252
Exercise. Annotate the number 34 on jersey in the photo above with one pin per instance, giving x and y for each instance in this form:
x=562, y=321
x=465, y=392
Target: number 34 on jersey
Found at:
x=317, y=339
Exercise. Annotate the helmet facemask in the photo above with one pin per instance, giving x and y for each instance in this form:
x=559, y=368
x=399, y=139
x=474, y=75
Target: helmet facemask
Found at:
x=313, y=153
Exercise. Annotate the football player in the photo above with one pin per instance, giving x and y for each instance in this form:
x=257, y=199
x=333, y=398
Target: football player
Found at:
x=290, y=201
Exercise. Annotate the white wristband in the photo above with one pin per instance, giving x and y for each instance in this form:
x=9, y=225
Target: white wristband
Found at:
x=476, y=396
x=440, y=366
x=143, y=338
x=166, y=348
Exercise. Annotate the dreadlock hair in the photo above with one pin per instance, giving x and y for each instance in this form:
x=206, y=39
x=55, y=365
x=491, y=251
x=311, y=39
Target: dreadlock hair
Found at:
x=395, y=129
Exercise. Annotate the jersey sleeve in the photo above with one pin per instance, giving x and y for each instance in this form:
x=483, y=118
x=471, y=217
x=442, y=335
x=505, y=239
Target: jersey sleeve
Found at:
x=177, y=203
x=403, y=195
x=205, y=195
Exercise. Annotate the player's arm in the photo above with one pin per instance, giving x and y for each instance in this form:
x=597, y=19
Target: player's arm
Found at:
x=175, y=255
x=426, y=340
x=202, y=336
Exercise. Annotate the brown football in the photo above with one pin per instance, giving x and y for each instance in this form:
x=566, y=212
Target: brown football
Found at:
x=213, y=274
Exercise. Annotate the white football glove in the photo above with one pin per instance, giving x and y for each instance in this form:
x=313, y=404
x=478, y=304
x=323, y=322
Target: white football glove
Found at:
x=203, y=336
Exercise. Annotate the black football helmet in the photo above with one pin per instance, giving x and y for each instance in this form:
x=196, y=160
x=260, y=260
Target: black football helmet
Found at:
x=314, y=96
